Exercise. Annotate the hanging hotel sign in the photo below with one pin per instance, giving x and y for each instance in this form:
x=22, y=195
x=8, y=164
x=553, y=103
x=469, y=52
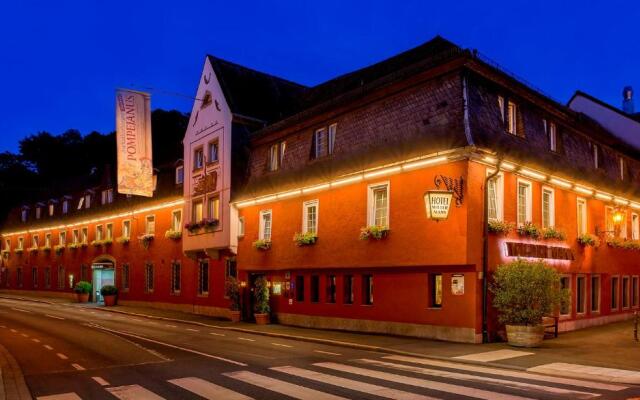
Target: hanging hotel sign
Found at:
x=438, y=202
x=133, y=137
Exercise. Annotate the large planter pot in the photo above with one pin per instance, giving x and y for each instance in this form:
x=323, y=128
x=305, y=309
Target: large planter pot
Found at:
x=82, y=297
x=234, y=315
x=110, y=300
x=262, y=319
x=525, y=336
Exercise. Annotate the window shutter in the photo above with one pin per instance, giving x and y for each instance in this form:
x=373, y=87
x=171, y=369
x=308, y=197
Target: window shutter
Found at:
x=312, y=152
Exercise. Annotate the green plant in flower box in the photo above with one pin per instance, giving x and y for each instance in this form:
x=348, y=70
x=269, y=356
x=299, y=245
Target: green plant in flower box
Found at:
x=146, y=240
x=553, y=233
x=19, y=251
x=262, y=244
x=374, y=232
x=46, y=249
x=59, y=248
x=305, y=239
x=529, y=229
x=123, y=239
x=173, y=235
x=588, y=240
x=97, y=243
x=500, y=227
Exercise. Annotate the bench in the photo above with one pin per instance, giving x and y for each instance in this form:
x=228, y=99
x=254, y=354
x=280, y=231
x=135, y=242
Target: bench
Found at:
x=550, y=326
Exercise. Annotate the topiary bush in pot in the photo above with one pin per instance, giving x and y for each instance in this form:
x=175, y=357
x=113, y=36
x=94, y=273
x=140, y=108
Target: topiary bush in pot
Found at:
x=232, y=291
x=261, y=296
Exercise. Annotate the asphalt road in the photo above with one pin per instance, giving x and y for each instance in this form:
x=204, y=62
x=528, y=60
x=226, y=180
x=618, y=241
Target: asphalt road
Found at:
x=68, y=351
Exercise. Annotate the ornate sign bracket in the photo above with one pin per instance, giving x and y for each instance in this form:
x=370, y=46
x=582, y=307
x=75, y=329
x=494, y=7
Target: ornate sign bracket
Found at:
x=453, y=185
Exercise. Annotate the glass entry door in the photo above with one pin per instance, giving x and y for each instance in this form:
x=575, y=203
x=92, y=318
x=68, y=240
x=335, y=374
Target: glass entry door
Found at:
x=101, y=276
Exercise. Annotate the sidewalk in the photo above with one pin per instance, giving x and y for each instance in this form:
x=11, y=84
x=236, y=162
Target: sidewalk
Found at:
x=608, y=346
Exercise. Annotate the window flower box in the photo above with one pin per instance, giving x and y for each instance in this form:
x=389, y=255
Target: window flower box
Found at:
x=46, y=249
x=262, y=244
x=5, y=252
x=587, y=240
x=59, y=248
x=374, y=232
x=123, y=239
x=107, y=242
x=500, y=227
x=173, y=235
x=33, y=250
x=305, y=239
x=146, y=240
x=530, y=230
x=193, y=227
x=97, y=243
x=553, y=233
x=19, y=251
x=625, y=244
x=209, y=223
x=74, y=246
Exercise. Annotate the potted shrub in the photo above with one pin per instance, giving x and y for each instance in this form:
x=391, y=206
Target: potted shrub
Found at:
x=524, y=292
x=209, y=223
x=374, y=232
x=82, y=291
x=232, y=291
x=261, y=307
x=109, y=294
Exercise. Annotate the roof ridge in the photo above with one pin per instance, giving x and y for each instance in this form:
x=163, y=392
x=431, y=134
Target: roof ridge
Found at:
x=234, y=64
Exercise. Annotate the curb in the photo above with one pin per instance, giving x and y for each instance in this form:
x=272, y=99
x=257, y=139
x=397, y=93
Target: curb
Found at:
x=12, y=384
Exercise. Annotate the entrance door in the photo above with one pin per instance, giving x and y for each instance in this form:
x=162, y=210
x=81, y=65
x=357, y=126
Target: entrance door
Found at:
x=250, y=301
x=101, y=276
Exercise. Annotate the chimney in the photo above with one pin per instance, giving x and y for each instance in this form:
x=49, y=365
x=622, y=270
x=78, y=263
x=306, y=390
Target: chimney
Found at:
x=627, y=100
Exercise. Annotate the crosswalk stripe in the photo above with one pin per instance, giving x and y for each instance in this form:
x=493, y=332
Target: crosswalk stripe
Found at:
x=509, y=373
x=423, y=383
x=61, y=396
x=282, y=387
x=345, y=383
x=482, y=379
x=207, y=389
x=133, y=392
x=495, y=355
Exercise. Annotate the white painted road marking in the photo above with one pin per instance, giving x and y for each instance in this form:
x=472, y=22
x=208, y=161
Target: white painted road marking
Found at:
x=24, y=335
x=281, y=345
x=327, y=352
x=588, y=371
x=422, y=383
x=282, y=387
x=53, y=316
x=14, y=331
x=36, y=340
x=21, y=310
x=62, y=356
x=171, y=326
x=78, y=367
x=192, y=330
x=207, y=389
x=350, y=384
x=61, y=396
x=217, y=334
x=247, y=339
x=509, y=373
x=133, y=392
x=482, y=379
x=489, y=356
x=46, y=346
x=100, y=381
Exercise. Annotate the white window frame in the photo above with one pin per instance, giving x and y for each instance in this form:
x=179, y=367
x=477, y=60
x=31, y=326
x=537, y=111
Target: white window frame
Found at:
x=176, y=226
x=331, y=137
x=528, y=200
x=146, y=224
x=621, y=168
x=75, y=236
x=582, y=228
x=305, y=214
x=84, y=235
x=216, y=210
x=618, y=297
x=108, y=231
x=598, y=293
x=240, y=226
x=127, y=223
x=321, y=143
x=35, y=241
x=38, y=212
x=609, y=225
x=198, y=161
x=7, y=244
x=20, y=243
x=585, y=298
x=107, y=196
x=179, y=174
x=87, y=201
x=210, y=145
x=569, y=306
x=261, y=233
x=512, y=117
x=622, y=296
x=499, y=179
x=635, y=291
x=553, y=136
x=371, y=206
x=635, y=226
x=99, y=232
x=47, y=240
x=23, y=215
x=552, y=206
x=65, y=206
x=51, y=209
x=195, y=202
x=62, y=238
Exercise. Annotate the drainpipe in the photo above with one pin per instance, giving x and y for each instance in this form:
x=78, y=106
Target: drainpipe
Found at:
x=485, y=253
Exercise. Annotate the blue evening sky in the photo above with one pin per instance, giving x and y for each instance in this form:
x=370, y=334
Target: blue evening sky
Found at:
x=60, y=61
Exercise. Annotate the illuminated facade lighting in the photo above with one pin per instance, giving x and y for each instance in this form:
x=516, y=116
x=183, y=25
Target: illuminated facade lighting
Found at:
x=382, y=172
x=266, y=199
x=507, y=166
x=346, y=181
x=622, y=202
x=635, y=205
x=583, y=190
x=560, y=182
x=422, y=163
x=532, y=174
x=316, y=188
x=291, y=193
x=603, y=196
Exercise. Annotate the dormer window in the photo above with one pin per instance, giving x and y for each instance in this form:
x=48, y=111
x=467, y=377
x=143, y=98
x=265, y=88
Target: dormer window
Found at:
x=324, y=140
x=198, y=158
x=107, y=196
x=597, y=156
x=509, y=114
x=276, y=155
x=24, y=215
x=87, y=200
x=38, y=212
x=179, y=175
x=622, y=165
x=65, y=206
x=51, y=209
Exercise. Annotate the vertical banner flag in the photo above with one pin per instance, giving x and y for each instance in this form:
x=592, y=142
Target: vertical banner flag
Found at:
x=133, y=136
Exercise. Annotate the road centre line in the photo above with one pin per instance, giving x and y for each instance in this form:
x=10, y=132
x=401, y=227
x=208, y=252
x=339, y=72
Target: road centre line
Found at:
x=246, y=339
x=53, y=316
x=62, y=356
x=327, y=352
x=78, y=367
x=46, y=346
x=281, y=345
x=21, y=310
x=217, y=334
x=100, y=381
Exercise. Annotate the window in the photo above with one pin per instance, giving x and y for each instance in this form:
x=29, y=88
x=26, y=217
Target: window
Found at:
x=176, y=220
x=553, y=137
x=435, y=290
x=99, y=232
x=65, y=206
x=378, y=201
x=148, y=278
x=175, y=277
x=495, y=188
x=87, y=201
x=7, y=244
x=34, y=241
x=548, y=208
x=203, y=278
x=595, y=293
x=62, y=238
x=524, y=202
x=198, y=158
x=621, y=168
x=582, y=216
x=625, y=292
x=276, y=155
x=635, y=292
x=608, y=221
x=109, y=232
x=331, y=289
x=596, y=156
x=581, y=294
x=19, y=276
x=348, y=289
x=47, y=240
x=512, y=118
x=635, y=227
x=61, y=277
x=34, y=277
x=315, y=288
x=23, y=215
x=231, y=268
x=150, y=225
x=196, y=211
x=367, y=290
x=241, y=226
x=107, y=196
x=80, y=203
x=84, y=235
x=126, y=228
x=320, y=139
x=51, y=209
x=265, y=225
x=299, y=288
x=179, y=175
x=565, y=284
x=20, y=243
x=615, y=282
x=310, y=217
x=38, y=212
x=333, y=128
x=47, y=277
x=75, y=237
x=125, y=277
x=213, y=208
x=213, y=152
x=84, y=272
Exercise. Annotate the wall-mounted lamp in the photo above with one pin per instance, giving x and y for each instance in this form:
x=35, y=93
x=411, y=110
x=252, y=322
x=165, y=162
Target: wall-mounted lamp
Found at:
x=70, y=281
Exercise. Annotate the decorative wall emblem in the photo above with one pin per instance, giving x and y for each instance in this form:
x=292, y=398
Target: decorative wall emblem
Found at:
x=456, y=186
x=205, y=183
